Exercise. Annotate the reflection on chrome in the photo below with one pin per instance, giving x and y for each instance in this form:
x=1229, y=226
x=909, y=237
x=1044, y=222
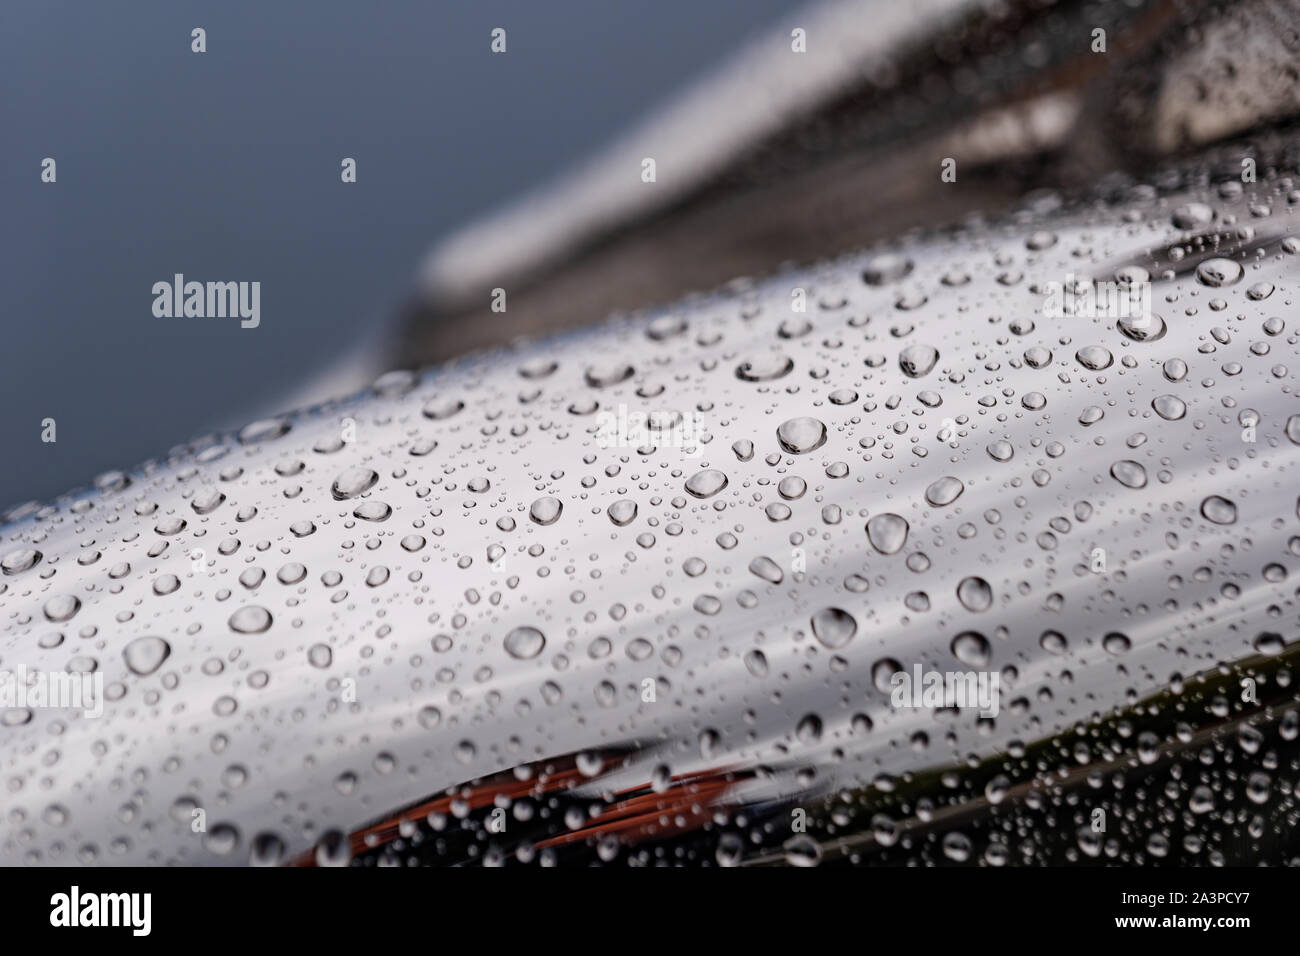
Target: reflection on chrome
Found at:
x=934, y=576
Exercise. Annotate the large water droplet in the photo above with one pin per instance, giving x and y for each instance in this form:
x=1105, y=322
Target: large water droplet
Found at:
x=438, y=409
x=525, y=643
x=886, y=268
x=918, y=360
x=1142, y=328
x=1094, y=357
x=61, y=607
x=622, y=512
x=1169, y=407
x=1192, y=215
x=887, y=533
x=250, y=620
x=834, y=627
x=767, y=569
x=353, y=482
x=1219, y=510
x=801, y=435
x=975, y=594
x=1218, y=272
x=706, y=483
x=1128, y=473
x=1116, y=643
x=23, y=559
x=606, y=374
x=545, y=511
x=765, y=367
x=972, y=649
x=1292, y=432
x=145, y=655
x=944, y=491
x=264, y=430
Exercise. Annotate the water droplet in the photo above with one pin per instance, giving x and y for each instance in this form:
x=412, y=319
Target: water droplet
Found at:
x=1192, y=215
x=767, y=569
x=261, y=431
x=61, y=607
x=809, y=729
x=144, y=655
x=1270, y=643
x=1292, y=432
x=1037, y=357
x=975, y=594
x=834, y=627
x=791, y=487
x=1116, y=643
x=1094, y=357
x=206, y=502
x=972, y=649
x=801, y=435
x=887, y=533
x=353, y=482
x=1001, y=450
x=372, y=511
x=622, y=512
x=250, y=620
x=1129, y=474
x=886, y=268
x=438, y=409
x=1169, y=407
x=666, y=327
x=1053, y=642
x=606, y=375
x=918, y=360
x=944, y=491
x=1219, y=272
x=765, y=367
x=23, y=559
x=525, y=643
x=268, y=849
x=1142, y=328
x=706, y=483
x=396, y=383
x=545, y=511
x=1219, y=510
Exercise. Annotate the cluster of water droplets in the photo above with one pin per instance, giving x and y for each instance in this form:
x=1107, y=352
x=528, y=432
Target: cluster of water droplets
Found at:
x=334, y=613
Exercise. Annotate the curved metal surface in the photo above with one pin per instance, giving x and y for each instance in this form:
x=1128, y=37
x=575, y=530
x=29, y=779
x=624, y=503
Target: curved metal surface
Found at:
x=481, y=578
x=481, y=615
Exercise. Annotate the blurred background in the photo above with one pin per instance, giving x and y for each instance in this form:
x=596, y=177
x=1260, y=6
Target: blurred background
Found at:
x=225, y=166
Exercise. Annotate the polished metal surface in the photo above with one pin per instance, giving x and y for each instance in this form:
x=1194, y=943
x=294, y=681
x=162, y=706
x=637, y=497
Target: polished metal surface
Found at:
x=482, y=577
x=637, y=594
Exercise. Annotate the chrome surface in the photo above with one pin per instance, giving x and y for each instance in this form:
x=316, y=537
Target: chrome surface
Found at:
x=476, y=500
x=460, y=618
